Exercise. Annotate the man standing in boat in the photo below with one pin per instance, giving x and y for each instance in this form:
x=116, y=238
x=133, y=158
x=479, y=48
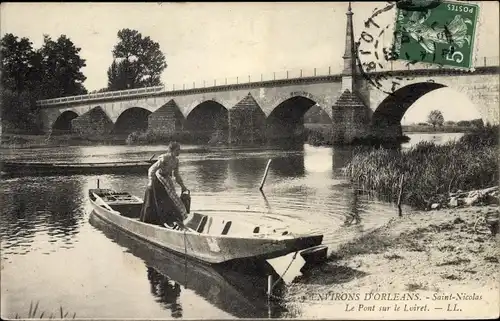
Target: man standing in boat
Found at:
x=162, y=206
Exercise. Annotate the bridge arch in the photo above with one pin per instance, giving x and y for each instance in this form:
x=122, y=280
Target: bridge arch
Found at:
x=63, y=122
x=387, y=117
x=208, y=122
x=132, y=119
x=286, y=120
x=319, y=101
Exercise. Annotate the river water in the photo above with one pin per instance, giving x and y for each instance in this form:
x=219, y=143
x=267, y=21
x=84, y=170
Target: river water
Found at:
x=54, y=252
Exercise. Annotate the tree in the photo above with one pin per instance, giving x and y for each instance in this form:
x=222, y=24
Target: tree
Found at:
x=19, y=110
x=17, y=63
x=435, y=118
x=141, y=62
x=477, y=122
x=61, y=63
x=20, y=79
x=97, y=91
x=29, y=75
x=118, y=75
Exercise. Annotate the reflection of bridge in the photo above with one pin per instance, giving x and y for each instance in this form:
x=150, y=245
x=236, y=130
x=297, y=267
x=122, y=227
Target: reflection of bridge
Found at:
x=273, y=107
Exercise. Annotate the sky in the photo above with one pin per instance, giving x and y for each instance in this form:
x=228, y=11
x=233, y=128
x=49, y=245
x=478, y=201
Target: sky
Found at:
x=206, y=41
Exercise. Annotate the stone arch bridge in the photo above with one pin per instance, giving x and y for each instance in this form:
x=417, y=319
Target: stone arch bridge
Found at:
x=274, y=109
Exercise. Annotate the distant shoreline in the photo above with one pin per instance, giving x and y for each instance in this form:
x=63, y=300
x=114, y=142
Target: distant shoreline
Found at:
x=22, y=141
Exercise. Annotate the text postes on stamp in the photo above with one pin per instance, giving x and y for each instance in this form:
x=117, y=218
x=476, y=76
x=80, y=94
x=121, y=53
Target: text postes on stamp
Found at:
x=443, y=35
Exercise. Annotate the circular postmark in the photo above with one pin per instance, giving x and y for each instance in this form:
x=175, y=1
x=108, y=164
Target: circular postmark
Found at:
x=376, y=53
x=402, y=34
x=417, y=5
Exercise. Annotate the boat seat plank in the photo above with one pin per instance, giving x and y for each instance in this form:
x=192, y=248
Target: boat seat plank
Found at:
x=202, y=224
x=226, y=228
x=197, y=222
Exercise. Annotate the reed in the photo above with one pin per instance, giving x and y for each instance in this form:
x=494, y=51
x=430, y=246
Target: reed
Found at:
x=431, y=172
x=32, y=313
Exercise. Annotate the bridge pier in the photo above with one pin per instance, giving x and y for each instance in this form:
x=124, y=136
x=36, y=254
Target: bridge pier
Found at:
x=166, y=119
x=247, y=122
x=95, y=122
x=351, y=119
x=387, y=132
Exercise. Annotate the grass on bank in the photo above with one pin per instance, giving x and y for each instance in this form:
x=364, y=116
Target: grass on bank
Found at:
x=430, y=171
x=32, y=313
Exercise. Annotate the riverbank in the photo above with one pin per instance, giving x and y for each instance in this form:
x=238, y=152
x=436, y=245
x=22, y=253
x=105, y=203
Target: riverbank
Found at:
x=15, y=141
x=439, y=129
x=426, y=252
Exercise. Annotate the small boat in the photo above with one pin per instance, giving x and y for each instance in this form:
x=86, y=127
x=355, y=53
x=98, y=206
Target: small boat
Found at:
x=208, y=238
x=241, y=293
x=66, y=168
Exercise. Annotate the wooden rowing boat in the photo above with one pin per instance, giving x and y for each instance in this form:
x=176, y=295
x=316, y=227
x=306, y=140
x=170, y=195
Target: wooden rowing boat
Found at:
x=65, y=168
x=241, y=293
x=209, y=238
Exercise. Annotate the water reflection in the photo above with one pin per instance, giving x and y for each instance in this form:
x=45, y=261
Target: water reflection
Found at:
x=289, y=165
x=212, y=173
x=353, y=208
x=236, y=289
x=437, y=138
x=50, y=206
x=166, y=290
x=247, y=172
x=341, y=157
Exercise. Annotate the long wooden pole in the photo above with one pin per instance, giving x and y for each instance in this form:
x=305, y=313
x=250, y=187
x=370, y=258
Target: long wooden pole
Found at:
x=269, y=294
x=265, y=175
x=400, y=194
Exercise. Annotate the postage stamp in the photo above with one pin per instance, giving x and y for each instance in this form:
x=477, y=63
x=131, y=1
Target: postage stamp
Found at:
x=443, y=35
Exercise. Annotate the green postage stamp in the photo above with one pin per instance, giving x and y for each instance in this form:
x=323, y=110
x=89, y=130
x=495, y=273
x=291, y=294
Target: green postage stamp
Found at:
x=443, y=35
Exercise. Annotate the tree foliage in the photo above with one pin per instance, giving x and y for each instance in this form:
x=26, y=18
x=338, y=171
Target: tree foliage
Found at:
x=17, y=62
x=19, y=110
x=435, y=118
x=119, y=75
x=30, y=74
x=97, y=91
x=471, y=123
x=61, y=68
x=138, y=62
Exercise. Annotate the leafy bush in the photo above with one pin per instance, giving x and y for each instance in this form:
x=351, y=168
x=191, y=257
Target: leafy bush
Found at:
x=482, y=136
x=319, y=136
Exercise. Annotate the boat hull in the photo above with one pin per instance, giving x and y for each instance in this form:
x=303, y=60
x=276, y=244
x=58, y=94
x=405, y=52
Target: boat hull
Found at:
x=39, y=168
x=211, y=249
x=242, y=295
